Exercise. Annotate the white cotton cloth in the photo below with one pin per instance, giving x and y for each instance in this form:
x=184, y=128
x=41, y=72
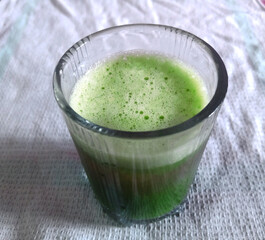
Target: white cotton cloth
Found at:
x=44, y=193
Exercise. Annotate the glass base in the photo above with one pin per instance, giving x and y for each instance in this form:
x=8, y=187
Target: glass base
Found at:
x=123, y=221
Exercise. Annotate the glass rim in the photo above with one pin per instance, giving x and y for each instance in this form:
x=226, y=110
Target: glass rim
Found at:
x=210, y=108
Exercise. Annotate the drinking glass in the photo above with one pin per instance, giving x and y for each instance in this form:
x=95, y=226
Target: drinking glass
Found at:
x=144, y=176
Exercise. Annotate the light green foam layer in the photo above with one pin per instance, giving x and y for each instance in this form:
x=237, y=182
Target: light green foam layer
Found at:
x=138, y=92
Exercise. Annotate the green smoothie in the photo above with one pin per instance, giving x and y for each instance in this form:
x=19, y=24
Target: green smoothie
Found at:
x=139, y=92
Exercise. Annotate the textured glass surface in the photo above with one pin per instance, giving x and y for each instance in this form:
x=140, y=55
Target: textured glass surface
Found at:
x=141, y=176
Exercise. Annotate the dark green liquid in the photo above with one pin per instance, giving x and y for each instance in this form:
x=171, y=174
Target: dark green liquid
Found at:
x=140, y=195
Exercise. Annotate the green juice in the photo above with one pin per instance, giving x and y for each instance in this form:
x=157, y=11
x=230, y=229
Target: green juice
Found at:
x=139, y=92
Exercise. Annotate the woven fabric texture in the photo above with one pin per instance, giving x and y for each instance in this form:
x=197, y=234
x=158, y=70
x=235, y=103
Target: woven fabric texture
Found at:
x=44, y=192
